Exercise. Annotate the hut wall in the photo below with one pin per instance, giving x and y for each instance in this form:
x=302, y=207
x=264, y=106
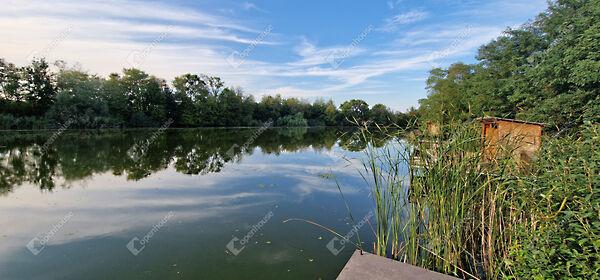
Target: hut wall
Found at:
x=521, y=139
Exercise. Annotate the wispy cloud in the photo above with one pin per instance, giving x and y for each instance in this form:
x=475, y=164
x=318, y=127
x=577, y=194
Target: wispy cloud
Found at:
x=393, y=3
x=294, y=61
x=392, y=23
x=313, y=56
x=252, y=6
x=126, y=9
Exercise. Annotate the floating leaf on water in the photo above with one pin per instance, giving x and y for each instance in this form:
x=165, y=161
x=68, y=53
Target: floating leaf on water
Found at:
x=326, y=175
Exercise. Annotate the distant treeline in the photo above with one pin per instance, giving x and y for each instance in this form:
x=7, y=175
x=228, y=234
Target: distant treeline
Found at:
x=546, y=71
x=35, y=97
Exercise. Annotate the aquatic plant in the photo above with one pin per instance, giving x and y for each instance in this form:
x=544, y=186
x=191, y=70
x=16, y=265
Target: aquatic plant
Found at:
x=472, y=218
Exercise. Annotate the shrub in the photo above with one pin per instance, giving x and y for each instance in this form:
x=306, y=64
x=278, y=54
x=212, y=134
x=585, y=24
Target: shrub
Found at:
x=296, y=120
x=562, y=238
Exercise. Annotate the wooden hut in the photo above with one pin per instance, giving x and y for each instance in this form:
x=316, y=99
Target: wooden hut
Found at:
x=433, y=129
x=510, y=137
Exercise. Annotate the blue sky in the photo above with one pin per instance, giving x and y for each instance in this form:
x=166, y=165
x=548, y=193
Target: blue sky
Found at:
x=378, y=51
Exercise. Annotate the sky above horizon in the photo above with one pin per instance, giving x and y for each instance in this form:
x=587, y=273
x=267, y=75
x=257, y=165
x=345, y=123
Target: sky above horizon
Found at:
x=378, y=51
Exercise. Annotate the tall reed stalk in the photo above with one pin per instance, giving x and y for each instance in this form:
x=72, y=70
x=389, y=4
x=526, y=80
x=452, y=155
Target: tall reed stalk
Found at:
x=472, y=217
x=452, y=215
x=440, y=204
x=382, y=168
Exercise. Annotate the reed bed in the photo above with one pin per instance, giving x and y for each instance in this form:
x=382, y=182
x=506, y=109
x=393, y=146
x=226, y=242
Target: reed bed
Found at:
x=455, y=212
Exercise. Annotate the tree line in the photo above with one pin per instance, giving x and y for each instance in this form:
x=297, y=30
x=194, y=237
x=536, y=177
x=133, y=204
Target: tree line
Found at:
x=34, y=97
x=546, y=71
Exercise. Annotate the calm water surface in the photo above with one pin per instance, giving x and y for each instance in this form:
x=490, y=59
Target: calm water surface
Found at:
x=178, y=204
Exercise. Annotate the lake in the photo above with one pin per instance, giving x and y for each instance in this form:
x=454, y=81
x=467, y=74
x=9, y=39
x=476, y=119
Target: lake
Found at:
x=180, y=203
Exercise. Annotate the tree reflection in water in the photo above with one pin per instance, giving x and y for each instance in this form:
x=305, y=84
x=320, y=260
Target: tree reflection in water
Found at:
x=75, y=156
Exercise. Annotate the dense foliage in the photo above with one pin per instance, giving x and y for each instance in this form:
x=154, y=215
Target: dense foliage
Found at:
x=474, y=218
x=546, y=71
x=34, y=97
x=561, y=238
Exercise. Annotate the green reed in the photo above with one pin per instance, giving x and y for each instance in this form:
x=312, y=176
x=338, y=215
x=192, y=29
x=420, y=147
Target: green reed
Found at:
x=471, y=217
x=449, y=220
x=441, y=204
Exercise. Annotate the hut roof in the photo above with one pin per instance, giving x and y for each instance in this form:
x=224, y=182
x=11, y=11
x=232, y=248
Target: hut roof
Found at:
x=495, y=119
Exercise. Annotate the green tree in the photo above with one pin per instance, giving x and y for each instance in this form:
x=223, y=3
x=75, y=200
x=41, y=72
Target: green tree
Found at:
x=34, y=97
x=354, y=110
x=269, y=108
x=191, y=94
x=315, y=113
x=214, y=85
x=9, y=82
x=144, y=97
x=447, y=100
x=39, y=89
x=12, y=99
x=190, y=86
x=79, y=101
x=331, y=114
x=117, y=100
x=546, y=71
x=231, y=108
x=565, y=78
x=381, y=115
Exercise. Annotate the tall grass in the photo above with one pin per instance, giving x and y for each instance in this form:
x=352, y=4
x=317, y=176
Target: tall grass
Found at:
x=472, y=218
x=383, y=168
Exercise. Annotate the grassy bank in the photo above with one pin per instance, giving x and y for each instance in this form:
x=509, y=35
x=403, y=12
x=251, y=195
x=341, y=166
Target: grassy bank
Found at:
x=489, y=220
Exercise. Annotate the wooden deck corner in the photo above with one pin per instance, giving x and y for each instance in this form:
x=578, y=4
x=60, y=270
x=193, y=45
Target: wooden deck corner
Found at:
x=372, y=267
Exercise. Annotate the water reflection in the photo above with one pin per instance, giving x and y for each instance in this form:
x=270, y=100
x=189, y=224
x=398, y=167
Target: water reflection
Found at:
x=79, y=155
x=121, y=184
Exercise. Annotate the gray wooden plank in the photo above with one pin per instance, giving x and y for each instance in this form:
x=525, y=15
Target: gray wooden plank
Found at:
x=373, y=267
